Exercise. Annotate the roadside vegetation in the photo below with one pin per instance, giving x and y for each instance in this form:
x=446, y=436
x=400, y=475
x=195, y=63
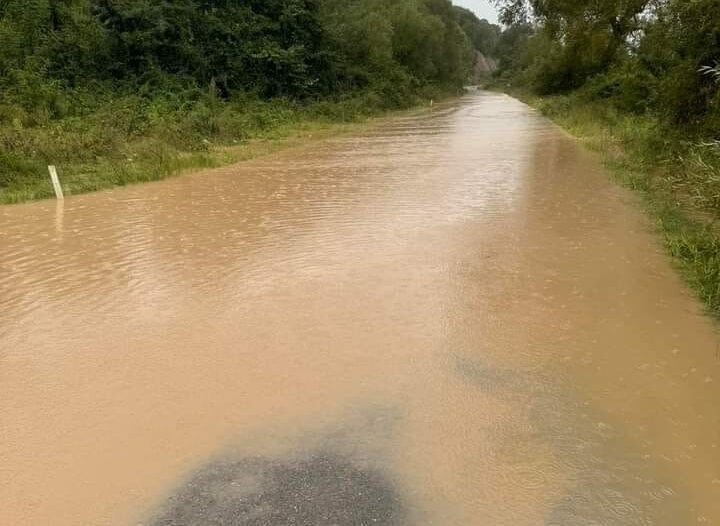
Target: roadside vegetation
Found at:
x=120, y=91
x=639, y=81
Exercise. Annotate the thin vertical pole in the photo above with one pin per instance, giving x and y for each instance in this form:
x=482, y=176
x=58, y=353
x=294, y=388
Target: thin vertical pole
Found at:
x=56, y=183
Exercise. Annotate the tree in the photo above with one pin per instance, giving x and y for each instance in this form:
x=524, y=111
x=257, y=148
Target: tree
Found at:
x=483, y=35
x=576, y=38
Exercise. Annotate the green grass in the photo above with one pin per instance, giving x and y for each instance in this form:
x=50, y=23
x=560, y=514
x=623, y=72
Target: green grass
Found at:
x=100, y=143
x=677, y=177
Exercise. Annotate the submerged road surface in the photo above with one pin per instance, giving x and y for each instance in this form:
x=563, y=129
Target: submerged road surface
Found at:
x=452, y=318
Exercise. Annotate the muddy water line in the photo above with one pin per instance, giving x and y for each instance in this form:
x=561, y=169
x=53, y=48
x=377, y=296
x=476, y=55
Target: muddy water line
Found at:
x=453, y=314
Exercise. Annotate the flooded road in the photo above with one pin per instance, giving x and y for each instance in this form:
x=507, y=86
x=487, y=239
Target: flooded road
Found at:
x=450, y=318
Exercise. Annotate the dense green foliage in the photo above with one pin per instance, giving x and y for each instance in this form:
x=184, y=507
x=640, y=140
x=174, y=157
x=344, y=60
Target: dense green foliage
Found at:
x=644, y=56
x=269, y=47
x=92, y=83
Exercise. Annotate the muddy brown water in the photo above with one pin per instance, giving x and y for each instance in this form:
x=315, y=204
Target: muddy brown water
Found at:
x=450, y=318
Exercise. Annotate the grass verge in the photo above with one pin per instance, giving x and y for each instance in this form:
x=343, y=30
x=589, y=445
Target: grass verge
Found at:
x=677, y=177
x=103, y=143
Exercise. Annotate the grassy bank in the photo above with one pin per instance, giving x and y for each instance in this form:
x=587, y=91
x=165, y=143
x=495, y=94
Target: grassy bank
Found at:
x=121, y=140
x=678, y=178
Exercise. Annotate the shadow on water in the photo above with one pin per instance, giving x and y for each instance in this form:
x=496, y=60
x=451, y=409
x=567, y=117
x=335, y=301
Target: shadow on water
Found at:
x=322, y=489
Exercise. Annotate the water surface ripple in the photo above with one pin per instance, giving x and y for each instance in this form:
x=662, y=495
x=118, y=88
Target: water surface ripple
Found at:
x=451, y=317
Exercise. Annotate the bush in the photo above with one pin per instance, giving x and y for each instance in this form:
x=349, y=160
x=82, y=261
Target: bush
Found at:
x=626, y=86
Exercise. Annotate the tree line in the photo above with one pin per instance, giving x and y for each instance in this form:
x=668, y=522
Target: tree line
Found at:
x=640, y=56
x=272, y=48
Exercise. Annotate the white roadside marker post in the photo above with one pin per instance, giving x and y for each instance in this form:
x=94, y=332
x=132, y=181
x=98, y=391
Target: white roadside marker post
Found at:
x=56, y=183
